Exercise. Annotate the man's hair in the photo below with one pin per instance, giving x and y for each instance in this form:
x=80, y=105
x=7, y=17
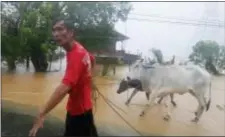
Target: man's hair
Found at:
x=67, y=23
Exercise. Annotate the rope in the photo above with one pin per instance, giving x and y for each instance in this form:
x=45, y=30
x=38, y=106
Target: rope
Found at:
x=110, y=105
x=112, y=83
x=95, y=100
x=127, y=94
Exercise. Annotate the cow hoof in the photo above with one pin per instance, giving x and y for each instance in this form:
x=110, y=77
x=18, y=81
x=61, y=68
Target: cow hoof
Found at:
x=196, y=113
x=127, y=103
x=174, y=104
x=166, y=106
x=166, y=118
x=142, y=114
x=195, y=120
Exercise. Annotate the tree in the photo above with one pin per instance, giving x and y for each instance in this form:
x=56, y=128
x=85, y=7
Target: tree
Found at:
x=26, y=27
x=158, y=54
x=221, y=58
x=94, y=21
x=25, y=34
x=210, y=53
x=11, y=36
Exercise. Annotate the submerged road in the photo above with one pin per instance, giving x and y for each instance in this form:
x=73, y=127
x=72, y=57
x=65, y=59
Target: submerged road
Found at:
x=34, y=89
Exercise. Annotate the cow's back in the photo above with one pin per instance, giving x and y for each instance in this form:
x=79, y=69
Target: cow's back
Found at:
x=174, y=76
x=199, y=75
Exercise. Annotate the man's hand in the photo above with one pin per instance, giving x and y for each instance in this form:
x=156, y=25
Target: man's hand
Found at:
x=55, y=98
x=38, y=123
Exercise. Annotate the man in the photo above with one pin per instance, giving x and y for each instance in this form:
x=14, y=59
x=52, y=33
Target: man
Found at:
x=76, y=83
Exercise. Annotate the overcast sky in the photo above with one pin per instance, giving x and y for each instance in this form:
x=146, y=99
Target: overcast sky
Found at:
x=171, y=38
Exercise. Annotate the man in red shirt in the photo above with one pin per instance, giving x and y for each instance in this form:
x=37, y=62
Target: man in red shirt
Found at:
x=77, y=82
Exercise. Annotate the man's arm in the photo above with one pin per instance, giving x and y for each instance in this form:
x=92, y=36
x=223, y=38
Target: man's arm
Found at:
x=55, y=98
x=73, y=70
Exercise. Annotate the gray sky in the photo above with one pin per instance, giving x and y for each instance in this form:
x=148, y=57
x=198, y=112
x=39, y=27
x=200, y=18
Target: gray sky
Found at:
x=171, y=38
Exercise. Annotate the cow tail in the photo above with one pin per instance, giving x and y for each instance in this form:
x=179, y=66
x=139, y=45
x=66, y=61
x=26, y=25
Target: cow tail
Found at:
x=209, y=101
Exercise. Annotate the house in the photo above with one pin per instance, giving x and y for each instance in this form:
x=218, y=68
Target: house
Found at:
x=107, y=53
x=110, y=49
x=127, y=58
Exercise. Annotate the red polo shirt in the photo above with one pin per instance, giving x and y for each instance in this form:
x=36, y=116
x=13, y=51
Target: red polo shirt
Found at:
x=78, y=77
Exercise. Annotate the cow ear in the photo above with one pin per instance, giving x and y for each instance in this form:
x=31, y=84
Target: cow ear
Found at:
x=128, y=78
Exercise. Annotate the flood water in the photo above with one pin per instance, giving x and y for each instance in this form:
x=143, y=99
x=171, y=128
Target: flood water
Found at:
x=34, y=89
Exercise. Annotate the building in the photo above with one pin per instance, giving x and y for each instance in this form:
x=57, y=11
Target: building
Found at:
x=110, y=49
x=106, y=41
x=127, y=58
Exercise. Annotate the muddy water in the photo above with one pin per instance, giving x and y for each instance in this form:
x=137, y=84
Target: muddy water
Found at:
x=34, y=89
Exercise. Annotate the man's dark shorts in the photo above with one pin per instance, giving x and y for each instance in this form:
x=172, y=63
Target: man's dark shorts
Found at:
x=80, y=125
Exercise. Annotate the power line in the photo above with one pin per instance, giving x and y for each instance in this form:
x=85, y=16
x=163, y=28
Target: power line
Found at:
x=177, y=22
x=204, y=29
x=164, y=17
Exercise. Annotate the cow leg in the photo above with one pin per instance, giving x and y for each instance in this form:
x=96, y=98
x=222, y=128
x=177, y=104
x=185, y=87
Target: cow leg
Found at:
x=160, y=93
x=135, y=91
x=195, y=96
x=160, y=100
x=201, y=108
x=167, y=105
x=147, y=94
x=172, y=100
x=166, y=93
x=167, y=116
x=151, y=101
x=168, y=108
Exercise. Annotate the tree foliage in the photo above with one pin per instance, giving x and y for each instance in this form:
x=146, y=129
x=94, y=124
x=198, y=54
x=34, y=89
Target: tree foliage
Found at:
x=158, y=54
x=26, y=27
x=209, y=53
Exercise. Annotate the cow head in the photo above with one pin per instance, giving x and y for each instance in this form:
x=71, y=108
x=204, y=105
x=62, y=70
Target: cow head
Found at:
x=123, y=86
x=129, y=83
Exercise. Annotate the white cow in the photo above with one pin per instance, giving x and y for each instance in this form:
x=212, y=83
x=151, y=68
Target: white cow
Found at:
x=134, y=81
x=161, y=81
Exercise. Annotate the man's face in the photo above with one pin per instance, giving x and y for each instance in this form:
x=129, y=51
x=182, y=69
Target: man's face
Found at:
x=61, y=34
